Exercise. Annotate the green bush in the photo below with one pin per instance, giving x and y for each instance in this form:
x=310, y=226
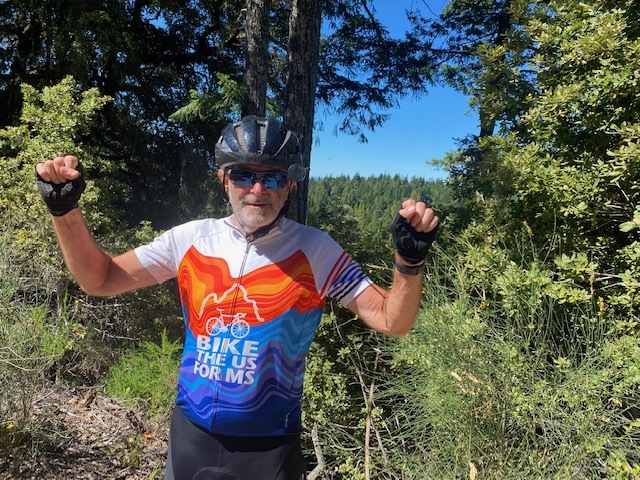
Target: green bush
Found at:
x=147, y=377
x=33, y=339
x=498, y=379
x=509, y=386
x=343, y=360
x=50, y=331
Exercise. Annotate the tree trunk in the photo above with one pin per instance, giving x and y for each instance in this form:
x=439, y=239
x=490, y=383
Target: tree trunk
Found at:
x=256, y=57
x=300, y=88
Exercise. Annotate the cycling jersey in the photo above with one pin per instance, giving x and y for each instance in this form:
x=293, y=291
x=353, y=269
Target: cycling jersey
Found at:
x=251, y=310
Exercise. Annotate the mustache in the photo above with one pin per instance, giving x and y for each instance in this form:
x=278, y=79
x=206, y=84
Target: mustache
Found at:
x=254, y=199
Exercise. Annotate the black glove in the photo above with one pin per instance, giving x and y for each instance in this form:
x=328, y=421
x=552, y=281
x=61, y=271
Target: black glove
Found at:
x=412, y=246
x=61, y=198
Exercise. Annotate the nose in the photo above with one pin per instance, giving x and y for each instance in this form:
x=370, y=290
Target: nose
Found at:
x=257, y=187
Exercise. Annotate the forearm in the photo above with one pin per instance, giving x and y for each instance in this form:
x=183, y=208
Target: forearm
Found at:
x=403, y=302
x=60, y=182
x=85, y=259
x=392, y=311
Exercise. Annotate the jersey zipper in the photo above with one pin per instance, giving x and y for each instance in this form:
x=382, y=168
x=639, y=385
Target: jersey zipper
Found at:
x=227, y=334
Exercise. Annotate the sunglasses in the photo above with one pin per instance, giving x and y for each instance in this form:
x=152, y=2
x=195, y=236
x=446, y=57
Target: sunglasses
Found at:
x=247, y=178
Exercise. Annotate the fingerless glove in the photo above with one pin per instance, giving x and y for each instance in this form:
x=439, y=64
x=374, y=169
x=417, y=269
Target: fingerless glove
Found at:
x=61, y=198
x=411, y=245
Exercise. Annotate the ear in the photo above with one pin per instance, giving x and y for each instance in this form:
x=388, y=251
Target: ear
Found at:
x=224, y=181
x=292, y=187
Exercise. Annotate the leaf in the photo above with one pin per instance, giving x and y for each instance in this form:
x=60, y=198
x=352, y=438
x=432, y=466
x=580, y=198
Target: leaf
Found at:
x=473, y=471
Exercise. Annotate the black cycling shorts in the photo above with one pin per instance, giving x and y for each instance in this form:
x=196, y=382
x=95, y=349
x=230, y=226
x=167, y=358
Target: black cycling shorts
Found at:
x=198, y=455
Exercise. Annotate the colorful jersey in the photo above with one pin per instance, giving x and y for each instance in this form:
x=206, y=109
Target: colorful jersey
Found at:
x=251, y=310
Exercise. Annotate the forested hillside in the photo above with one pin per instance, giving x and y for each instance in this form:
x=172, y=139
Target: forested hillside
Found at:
x=524, y=362
x=375, y=200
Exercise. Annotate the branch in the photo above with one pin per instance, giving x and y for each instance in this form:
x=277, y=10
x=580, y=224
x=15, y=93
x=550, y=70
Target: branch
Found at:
x=374, y=21
x=315, y=473
x=367, y=435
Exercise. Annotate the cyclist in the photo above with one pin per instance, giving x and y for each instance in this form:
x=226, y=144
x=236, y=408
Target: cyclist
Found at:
x=252, y=288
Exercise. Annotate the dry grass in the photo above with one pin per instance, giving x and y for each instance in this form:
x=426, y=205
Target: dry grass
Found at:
x=82, y=434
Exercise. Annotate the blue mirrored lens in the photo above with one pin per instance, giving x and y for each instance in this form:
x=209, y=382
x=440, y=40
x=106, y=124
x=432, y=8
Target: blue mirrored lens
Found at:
x=246, y=179
x=274, y=181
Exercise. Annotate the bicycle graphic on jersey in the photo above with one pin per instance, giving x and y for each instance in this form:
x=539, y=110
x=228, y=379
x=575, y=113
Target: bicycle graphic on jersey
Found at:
x=239, y=327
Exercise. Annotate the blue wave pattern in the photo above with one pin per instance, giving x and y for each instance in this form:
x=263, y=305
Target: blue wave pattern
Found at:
x=248, y=386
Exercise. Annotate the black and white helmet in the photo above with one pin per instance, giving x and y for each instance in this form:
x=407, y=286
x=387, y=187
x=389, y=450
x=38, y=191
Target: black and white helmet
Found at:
x=260, y=141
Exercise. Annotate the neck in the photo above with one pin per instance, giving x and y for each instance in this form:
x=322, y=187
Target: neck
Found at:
x=257, y=233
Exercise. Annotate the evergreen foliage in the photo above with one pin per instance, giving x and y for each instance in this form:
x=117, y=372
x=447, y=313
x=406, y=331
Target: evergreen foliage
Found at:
x=549, y=261
x=357, y=212
x=375, y=200
x=568, y=171
x=147, y=57
x=525, y=361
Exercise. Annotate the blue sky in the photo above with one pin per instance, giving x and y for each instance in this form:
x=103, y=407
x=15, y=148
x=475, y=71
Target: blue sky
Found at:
x=418, y=131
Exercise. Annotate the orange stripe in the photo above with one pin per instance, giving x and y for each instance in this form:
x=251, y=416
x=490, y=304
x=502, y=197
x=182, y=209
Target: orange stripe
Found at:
x=207, y=288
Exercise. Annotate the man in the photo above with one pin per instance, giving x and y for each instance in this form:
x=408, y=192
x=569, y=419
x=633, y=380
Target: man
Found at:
x=252, y=288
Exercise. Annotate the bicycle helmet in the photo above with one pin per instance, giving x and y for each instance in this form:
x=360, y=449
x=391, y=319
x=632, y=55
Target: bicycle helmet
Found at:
x=260, y=141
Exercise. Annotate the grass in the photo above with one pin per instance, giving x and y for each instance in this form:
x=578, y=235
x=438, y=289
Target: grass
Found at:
x=147, y=377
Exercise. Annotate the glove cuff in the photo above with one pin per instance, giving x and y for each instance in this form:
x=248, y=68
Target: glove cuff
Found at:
x=60, y=211
x=415, y=270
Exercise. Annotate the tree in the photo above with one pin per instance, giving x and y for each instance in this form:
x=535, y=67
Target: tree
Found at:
x=147, y=56
x=357, y=69
x=204, y=61
x=300, y=87
x=569, y=166
x=484, y=51
x=256, y=57
x=363, y=70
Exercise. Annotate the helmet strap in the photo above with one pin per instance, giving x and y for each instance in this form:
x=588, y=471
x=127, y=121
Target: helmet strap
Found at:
x=223, y=190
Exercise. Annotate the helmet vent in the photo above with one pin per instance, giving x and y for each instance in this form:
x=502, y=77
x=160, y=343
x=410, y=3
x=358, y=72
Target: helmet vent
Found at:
x=262, y=135
x=239, y=134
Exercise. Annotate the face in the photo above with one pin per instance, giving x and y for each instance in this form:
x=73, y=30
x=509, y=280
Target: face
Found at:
x=255, y=206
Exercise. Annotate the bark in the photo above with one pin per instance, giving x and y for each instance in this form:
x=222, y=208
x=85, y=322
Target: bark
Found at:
x=256, y=57
x=300, y=88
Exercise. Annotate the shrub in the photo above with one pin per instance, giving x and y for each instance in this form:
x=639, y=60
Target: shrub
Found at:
x=509, y=385
x=147, y=377
x=33, y=339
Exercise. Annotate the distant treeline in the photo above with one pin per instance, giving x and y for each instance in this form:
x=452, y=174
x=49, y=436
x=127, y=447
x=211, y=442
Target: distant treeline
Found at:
x=374, y=200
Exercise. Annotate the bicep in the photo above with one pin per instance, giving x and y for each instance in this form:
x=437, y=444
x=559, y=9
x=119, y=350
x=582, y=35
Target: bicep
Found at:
x=370, y=307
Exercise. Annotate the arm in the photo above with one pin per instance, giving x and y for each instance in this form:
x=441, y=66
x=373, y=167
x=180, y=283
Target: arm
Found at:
x=97, y=272
x=394, y=311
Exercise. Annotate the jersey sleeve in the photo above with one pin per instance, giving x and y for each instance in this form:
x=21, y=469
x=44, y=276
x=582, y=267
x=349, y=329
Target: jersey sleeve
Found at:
x=349, y=282
x=158, y=258
x=343, y=278
x=162, y=256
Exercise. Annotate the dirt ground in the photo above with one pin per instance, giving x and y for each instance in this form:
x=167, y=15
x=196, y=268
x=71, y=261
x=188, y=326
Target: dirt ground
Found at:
x=83, y=434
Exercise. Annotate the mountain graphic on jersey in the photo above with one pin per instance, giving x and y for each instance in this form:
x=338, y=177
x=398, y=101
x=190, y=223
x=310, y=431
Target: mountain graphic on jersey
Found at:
x=246, y=341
